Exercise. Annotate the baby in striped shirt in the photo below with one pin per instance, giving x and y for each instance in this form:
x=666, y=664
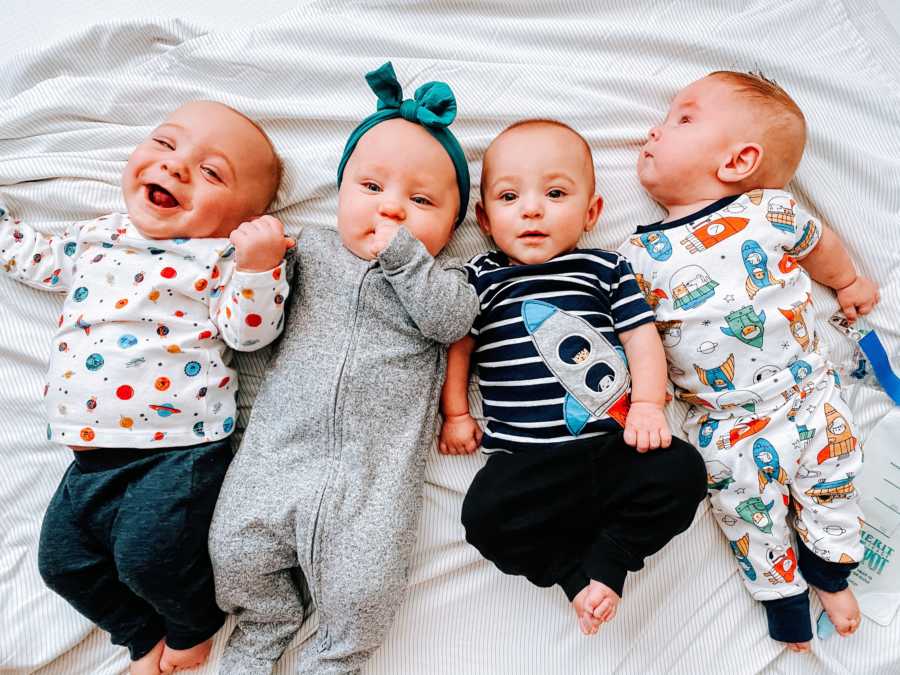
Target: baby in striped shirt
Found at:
x=573, y=378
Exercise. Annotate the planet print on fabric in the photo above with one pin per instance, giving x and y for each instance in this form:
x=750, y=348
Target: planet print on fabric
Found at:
x=94, y=362
x=80, y=293
x=192, y=368
x=228, y=425
x=165, y=409
x=127, y=340
x=198, y=429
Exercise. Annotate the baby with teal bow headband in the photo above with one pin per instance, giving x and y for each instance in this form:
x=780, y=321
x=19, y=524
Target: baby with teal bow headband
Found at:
x=335, y=448
x=433, y=108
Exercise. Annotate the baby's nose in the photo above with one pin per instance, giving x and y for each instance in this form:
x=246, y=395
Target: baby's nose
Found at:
x=654, y=134
x=391, y=208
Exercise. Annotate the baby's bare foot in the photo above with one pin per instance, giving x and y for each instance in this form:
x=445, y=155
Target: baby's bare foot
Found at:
x=799, y=647
x=184, y=659
x=842, y=609
x=595, y=604
x=148, y=664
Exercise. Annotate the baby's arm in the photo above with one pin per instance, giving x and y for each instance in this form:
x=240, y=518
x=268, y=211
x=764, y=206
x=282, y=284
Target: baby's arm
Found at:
x=439, y=299
x=460, y=433
x=645, y=426
x=249, y=310
x=45, y=262
x=831, y=265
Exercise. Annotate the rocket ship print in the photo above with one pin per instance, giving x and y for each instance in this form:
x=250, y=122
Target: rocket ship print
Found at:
x=657, y=244
x=652, y=295
x=582, y=359
x=746, y=325
x=706, y=234
x=768, y=464
x=797, y=322
x=755, y=512
x=719, y=378
x=840, y=439
x=756, y=264
x=740, y=548
x=743, y=428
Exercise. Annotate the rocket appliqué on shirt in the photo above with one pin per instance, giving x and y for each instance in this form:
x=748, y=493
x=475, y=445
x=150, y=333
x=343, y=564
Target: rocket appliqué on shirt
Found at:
x=140, y=357
x=732, y=303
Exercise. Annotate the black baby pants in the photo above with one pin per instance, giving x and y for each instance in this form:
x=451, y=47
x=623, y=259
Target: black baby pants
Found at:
x=588, y=509
x=124, y=541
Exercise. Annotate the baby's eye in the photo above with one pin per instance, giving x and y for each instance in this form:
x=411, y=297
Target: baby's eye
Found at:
x=556, y=193
x=372, y=187
x=422, y=200
x=163, y=142
x=684, y=119
x=508, y=196
x=210, y=172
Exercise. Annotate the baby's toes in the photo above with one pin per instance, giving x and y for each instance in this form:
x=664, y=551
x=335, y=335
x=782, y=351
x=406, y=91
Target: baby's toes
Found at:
x=846, y=625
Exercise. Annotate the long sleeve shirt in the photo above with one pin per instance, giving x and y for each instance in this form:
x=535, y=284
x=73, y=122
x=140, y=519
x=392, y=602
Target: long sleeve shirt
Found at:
x=140, y=357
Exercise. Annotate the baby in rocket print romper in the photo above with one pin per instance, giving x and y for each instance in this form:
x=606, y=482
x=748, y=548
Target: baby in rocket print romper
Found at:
x=139, y=383
x=728, y=273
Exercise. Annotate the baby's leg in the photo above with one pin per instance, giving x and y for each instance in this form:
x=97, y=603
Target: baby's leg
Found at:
x=252, y=544
x=75, y=564
x=161, y=546
x=640, y=502
x=151, y=662
x=747, y=464
x=529, y=514
x=827, y=513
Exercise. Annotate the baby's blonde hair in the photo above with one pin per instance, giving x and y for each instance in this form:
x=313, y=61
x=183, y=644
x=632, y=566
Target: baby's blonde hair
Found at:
x=781, y=121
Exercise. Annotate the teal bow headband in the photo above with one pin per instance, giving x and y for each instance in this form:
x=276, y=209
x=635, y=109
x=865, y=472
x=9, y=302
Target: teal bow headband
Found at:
x=433, y=106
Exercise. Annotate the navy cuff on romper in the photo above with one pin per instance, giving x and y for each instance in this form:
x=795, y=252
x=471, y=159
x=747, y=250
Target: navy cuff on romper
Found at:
x=825, y=575
x=789, y=618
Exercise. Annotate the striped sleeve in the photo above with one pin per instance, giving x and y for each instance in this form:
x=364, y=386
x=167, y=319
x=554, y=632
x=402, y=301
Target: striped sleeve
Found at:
x=628, y=305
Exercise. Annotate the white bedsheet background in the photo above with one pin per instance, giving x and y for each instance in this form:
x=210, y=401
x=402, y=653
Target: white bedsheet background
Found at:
x=70, y=114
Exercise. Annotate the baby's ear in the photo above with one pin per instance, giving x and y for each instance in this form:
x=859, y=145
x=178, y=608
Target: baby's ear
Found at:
x=482, y=218
x=595, y=208
x=744, y=160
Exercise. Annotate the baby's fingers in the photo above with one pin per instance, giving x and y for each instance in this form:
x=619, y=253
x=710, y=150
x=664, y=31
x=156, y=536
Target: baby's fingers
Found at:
x=665, y=437
x=630, y=435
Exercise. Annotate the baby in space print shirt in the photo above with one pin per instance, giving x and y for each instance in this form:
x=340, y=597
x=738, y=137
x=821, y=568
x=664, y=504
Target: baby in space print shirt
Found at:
x=728, y=273
x=139, y=382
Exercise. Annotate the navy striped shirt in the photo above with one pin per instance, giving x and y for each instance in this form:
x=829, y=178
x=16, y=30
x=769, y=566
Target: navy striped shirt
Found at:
x=521, y=370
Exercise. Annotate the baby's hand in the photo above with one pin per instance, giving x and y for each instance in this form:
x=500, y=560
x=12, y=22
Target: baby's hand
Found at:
x=646, y=427
x=384, y=235
x=260, y=244
x=858, y=298
x=460, y=435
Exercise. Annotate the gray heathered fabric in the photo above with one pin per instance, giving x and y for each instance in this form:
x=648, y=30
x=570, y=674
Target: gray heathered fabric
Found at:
x=327, y=483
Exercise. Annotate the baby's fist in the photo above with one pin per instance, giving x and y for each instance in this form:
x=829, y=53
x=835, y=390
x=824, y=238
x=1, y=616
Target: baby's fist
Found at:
x=858, y=298
x=260, y=244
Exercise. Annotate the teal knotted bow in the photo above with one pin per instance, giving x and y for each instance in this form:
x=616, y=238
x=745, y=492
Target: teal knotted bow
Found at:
x=433, y=106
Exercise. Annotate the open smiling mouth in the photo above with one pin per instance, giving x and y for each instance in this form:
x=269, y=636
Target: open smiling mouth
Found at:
x=159, y=196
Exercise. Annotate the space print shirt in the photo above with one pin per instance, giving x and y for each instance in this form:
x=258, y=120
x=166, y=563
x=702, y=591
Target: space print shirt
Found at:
x=733, y=306
x=140, y=356
x=550, y=366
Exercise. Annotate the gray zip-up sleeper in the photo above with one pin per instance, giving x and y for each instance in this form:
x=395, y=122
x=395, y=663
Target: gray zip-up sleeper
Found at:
x=326, y=488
